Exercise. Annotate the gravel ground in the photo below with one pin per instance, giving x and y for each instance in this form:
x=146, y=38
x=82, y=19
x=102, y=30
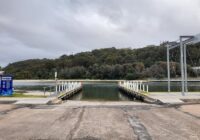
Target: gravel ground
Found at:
x=97, y=122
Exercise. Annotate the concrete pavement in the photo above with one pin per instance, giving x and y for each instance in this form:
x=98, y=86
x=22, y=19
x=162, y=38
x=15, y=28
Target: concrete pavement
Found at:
x=17, y=100
x=83, y=121
x=173, y=97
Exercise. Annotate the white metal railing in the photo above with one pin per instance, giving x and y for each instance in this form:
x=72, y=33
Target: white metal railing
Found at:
x=63, y=86
x=136, y=86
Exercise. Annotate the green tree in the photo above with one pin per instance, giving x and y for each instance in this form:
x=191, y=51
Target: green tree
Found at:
x=107, y=63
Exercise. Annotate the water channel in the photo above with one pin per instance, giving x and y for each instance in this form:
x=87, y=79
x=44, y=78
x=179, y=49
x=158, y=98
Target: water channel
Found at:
x=103, y=91
x=100, y=92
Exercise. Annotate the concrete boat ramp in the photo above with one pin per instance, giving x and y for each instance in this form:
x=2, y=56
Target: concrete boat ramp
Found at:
x=35, y=101
x=73, y=120
x=34, y=119
x=175, y=97
x=164, y=97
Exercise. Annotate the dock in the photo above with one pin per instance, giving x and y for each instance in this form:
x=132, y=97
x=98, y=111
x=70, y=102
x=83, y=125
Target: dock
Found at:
x=65, y=90
x=137, y=90
x=67, y=94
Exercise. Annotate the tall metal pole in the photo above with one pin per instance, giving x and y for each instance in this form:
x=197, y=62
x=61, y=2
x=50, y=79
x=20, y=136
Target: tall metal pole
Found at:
x=182, y=68
x=56, y=85
x=168, y=69
x=185, y=68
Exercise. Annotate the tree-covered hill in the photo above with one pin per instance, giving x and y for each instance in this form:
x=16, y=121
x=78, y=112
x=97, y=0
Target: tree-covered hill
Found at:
x=107, y=63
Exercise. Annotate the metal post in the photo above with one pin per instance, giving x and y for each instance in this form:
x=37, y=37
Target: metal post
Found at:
x=143, y=87
x=182, y=67
x=44, y=90
x=168, y=69
x=59, y=87
x=56, y=85
x=137, y=89
x=134, y=86
x=147, y=88
x=56, y=88
x=183, y=58
x=65, y=86
x=62, y=85
x=185, y=68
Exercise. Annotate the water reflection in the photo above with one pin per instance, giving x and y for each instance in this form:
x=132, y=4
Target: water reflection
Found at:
x=100, y=92
x=110, y=87
x=175, y=86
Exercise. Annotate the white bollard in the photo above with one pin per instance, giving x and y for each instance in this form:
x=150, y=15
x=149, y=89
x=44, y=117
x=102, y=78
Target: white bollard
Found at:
x=66, y=86
x=128, y=85
x=59, y=87
x=56, y=88
x=134, y=86
x=143, y=88
x=70, y=85
x=62, y=86
x=131, y=86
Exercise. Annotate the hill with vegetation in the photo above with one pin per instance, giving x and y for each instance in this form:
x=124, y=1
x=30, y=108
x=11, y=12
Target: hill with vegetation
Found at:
x=107, y=63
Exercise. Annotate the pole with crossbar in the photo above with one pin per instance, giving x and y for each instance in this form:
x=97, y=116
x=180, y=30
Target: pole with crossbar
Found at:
x=182, y=67
x=168, y=69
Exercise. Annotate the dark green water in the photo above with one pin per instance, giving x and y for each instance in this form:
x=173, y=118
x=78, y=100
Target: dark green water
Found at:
x=175, y=86
x=100, y=92
x=104, y=91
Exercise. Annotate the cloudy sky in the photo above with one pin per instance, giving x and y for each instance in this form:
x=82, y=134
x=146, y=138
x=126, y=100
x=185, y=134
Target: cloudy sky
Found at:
x=50, y=28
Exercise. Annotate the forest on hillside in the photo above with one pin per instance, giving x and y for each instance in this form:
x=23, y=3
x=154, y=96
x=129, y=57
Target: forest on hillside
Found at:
x=107, y=63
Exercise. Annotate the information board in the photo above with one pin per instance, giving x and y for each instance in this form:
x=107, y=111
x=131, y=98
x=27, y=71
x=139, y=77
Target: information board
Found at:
x=6, y=85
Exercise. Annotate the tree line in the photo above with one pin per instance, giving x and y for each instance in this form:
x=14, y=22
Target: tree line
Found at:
x=107, y=63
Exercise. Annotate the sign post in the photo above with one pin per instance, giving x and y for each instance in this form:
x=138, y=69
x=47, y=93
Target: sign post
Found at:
x=6, y=85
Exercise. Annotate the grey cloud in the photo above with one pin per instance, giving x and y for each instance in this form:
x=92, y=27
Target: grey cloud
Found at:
x=49, y=28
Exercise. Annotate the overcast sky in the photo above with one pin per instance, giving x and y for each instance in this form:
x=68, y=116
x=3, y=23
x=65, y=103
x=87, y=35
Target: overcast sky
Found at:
x=50, y=28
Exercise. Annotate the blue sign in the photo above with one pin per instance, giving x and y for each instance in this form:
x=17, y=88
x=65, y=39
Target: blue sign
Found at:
x=6, y=85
